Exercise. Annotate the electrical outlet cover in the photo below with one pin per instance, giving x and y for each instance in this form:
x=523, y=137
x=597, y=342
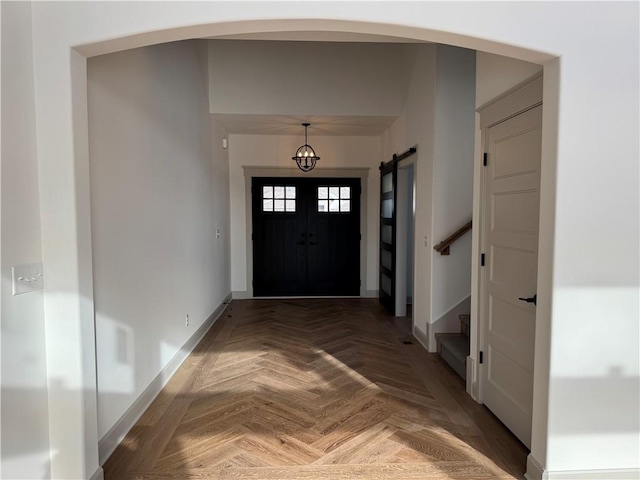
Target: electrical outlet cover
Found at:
x=27, y=278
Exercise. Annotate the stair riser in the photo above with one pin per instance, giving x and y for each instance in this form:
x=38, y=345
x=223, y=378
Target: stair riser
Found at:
x=454, y=362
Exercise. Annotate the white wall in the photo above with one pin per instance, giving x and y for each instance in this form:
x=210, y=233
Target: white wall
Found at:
x=157, y=199
x=299, y=78
x=410, y=233
x=415, y=127
x=496, y=74
x=452, y=199
x=24, y=411
x=438, y=117
x=587, y=118
x=339, y=152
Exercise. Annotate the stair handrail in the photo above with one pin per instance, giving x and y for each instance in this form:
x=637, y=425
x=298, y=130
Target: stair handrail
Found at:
x=443, y=246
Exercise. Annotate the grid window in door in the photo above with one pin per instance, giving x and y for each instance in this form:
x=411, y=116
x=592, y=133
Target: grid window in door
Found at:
x=334, y=199
x=278, y=198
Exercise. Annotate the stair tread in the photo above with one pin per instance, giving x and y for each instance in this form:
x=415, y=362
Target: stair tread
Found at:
x=457, y=344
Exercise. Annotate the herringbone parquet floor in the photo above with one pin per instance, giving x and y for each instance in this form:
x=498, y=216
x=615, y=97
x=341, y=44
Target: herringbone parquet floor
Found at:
x=314, y=389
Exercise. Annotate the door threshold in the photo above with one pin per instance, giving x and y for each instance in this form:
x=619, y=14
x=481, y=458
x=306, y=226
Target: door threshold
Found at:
x=301, y=297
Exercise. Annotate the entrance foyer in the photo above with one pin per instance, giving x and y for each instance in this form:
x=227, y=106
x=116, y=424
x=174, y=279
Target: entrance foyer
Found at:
x=314, y=389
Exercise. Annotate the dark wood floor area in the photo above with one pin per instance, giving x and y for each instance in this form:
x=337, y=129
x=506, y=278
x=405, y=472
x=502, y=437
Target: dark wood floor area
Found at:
x=314, y=389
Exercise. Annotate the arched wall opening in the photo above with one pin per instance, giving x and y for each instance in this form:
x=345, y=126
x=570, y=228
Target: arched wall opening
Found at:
x=64, y=161
x=325, y=30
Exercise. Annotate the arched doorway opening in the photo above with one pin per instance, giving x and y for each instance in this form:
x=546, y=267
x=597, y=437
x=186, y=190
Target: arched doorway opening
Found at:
x=80, y=227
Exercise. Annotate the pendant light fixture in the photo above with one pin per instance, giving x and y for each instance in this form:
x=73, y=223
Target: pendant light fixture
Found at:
x=305, y=156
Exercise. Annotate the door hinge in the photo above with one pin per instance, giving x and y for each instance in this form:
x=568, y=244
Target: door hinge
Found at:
x=484, y=159
x=360, y=236
x=253, y=236
x=481, y=357
x=482, y=259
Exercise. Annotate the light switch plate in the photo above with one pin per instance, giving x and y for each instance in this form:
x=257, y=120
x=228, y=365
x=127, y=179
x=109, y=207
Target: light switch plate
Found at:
x=27, y=278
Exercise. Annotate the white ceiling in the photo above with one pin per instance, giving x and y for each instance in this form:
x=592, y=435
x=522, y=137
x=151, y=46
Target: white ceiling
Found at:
x=320, y=124
x=291, y=125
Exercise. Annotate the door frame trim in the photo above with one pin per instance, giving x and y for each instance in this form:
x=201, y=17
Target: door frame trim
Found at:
x=513, y=102
x=361, y=173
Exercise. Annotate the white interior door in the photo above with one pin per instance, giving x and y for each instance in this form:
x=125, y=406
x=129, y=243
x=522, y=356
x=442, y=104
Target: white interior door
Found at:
x=510, y=246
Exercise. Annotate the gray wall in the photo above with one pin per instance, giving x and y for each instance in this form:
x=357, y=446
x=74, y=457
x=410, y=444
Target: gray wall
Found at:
x=159, y=194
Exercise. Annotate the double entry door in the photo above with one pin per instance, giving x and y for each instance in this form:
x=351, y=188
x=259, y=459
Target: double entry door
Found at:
x=306, y=236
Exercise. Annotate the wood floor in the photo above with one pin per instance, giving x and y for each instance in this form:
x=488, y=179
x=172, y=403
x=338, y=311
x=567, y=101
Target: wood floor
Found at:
x=314, y=389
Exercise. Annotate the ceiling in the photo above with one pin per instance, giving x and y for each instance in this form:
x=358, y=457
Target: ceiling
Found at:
x=243, y=124
x=290, y=124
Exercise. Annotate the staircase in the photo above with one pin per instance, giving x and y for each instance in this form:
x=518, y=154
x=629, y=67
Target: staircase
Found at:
x=454, y=347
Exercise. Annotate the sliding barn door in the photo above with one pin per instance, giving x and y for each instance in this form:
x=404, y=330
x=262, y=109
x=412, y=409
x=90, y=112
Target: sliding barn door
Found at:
x=388, y=199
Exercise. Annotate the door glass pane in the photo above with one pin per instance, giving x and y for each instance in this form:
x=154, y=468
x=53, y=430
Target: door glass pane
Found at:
x=387, y=233
x=385, y=284
x=386, y=259
x=387, y=208
x=339, y=199
x=387, y=183
x=273, y=198
x=291, y=205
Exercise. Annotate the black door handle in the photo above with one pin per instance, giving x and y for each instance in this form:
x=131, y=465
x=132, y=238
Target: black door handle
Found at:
x=301, y=242
x=313, y=243
x=533, y=299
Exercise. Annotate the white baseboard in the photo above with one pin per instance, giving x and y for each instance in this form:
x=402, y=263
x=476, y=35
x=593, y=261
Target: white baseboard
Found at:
x=423, y=338
x=615, y=474
x=535, y=471
x=98, y=474
x=114, y=436
x=472, y=386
